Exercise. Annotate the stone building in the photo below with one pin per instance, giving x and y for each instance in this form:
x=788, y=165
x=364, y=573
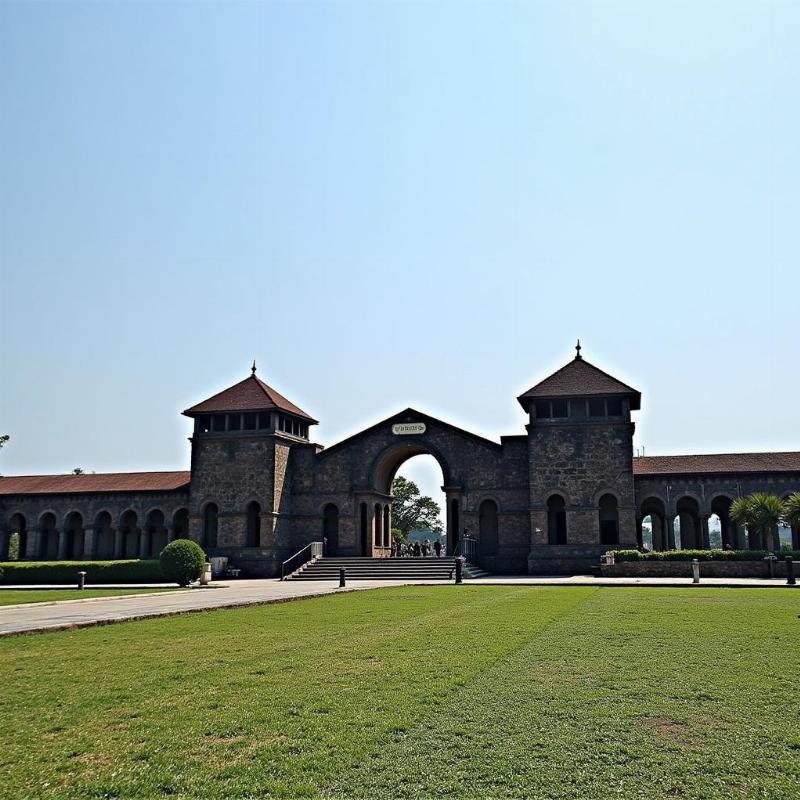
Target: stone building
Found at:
x=549, y=500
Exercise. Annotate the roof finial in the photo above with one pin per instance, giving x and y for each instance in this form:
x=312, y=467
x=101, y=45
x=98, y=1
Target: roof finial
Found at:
x=578, y=355
x=253, y=368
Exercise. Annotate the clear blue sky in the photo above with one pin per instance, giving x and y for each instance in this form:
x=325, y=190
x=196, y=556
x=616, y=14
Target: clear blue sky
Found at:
x=392, y=205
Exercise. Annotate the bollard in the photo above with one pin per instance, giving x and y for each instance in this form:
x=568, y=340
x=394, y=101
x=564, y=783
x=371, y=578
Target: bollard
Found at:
x=695, y=571
x=458, y=571
x=770, y=566
x=81, y=580
x=790, y=579
x=341, y=577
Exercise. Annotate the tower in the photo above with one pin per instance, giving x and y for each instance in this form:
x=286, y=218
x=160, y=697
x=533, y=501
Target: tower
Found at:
x=580, y=459
x=239, y=499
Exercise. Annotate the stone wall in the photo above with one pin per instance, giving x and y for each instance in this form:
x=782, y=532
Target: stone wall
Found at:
x=683, y=569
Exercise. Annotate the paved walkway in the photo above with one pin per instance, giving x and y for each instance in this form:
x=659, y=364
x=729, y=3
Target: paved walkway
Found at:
x=67, y=614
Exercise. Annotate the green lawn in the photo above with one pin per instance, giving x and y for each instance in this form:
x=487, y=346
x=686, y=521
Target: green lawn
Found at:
x=10, y=597
x=417, y=692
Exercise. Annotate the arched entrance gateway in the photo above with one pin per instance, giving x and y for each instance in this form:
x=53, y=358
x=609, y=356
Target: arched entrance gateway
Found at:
x=551, y=498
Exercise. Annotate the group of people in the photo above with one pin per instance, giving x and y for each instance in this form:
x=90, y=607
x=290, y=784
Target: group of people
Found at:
x=416, y=549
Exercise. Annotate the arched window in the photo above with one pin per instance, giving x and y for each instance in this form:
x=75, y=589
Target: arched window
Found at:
x=487, y=528
x=17, y=538
x=129, y=526
x=609, y=520
x=104, y=536
x=330, y=529
x=48, y=546
x=556, y=520
x=210, y=525
x=253, y=524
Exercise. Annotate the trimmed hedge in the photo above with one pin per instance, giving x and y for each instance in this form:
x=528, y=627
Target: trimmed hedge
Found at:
x=701, y=555
x=129, y=571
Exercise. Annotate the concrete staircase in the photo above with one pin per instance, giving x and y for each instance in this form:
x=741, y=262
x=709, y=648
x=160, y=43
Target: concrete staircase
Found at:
x=376, y=569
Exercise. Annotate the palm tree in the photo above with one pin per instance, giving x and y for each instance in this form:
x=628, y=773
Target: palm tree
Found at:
x=762, y=513
x=791, y=515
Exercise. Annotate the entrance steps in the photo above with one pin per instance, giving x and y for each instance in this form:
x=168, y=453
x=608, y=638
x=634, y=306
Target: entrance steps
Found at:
x=377, y=569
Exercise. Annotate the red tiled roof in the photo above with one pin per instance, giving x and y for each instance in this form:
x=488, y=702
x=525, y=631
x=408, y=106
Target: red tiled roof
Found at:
x=579, y=378
x=95, y=483
x=717, y=462
x=251, y=394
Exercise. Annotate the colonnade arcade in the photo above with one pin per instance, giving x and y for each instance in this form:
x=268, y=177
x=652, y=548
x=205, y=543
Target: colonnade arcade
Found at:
x=696, y=522
x=74, y=537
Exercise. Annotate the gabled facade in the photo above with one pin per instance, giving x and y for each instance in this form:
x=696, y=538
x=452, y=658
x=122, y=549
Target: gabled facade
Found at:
x=549, y=500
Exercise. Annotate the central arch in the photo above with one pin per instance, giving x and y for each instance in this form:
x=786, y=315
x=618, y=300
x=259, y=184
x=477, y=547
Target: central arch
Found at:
x=383, y=471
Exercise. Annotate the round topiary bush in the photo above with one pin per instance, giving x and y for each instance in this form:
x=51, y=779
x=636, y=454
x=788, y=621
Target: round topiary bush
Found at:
x=182, y=561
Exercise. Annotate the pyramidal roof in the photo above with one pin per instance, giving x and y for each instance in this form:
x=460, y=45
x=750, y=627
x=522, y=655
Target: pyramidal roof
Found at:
x=251, y=394
x=579, y=378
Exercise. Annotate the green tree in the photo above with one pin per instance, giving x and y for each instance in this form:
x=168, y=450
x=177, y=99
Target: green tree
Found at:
x=77, y=471
x=791, y=510
x=410, y=509
x=762, y=513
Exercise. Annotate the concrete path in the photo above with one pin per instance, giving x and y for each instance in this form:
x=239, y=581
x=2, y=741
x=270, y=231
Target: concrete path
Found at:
x=67, y=614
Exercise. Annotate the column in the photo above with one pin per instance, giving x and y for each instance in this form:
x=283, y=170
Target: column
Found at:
x=639, y=539
x=669, y=538
x=796, y=537
x=704, y=540
x=34, y=545
x=5, y=536
x=62, y=544
x=118, y=543
x=371, y=528
x=88, y=543
x=145, y=537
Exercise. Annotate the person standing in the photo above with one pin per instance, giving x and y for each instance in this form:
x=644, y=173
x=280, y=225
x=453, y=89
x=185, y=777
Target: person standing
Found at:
x=437, y=546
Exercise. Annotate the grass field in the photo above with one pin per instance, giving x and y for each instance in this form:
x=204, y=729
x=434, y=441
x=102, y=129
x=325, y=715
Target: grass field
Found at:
x=417, y=692
x=10, y=597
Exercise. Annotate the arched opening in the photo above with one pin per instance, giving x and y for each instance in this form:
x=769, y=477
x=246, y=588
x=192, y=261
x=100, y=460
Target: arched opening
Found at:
x=688, y=534
x=722, y=531
x=609, y=520
x=73, y=532
x=210, y=525
x=155, y=534
x=128, y=526
x=48, y=537
x=419, y=512
x=654, y=525
x=103, y=536
x=487, y=528
x=378, y=525
x=17, y=538
x=180, y=524
x=330, y=529
x=556, y=520
x=363, y=528
x=253, y=524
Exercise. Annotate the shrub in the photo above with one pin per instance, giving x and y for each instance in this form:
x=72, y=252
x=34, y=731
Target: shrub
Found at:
x=182, y=561
x=129, y=571
x=700, y=555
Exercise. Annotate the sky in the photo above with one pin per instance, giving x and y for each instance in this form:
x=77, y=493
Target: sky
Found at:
x=391, y=205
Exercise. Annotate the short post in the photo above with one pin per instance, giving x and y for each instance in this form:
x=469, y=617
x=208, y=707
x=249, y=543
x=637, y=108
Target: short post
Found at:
x=459, y=569
x=790, y=579
x=341, y=577
x=81, y=580
x=770, y=559
x=695, y=571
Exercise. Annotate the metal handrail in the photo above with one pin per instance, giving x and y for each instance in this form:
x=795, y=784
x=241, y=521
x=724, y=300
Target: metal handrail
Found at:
x=314, y=551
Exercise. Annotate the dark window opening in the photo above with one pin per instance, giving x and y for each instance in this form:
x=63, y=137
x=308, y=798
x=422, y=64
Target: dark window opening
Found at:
x=556, y=520
x=597, y=407
x=488, y=539
x=254, y=525
x=615, y=408
x=577, y=408
x=609, y=520
x=560, y=409
x=234, y=422
x=542, y=409
x=204, y=424
x=218, y=422
x=263, y=421
x=250, y=421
